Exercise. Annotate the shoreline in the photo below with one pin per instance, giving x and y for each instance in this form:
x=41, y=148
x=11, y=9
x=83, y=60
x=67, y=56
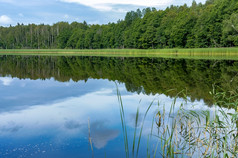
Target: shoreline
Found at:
x=184, y=53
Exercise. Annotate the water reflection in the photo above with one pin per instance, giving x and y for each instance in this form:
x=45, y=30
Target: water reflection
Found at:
x=45, y=102
x=101, y=134
x=141, y=75
x=6, y=81
x=63, y=121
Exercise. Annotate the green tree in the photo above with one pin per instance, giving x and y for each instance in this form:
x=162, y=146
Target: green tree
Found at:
x=230, y=30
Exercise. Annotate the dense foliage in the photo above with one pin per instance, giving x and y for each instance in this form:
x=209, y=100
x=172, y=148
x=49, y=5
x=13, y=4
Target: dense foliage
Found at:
x=213, y=24
x=141, y=75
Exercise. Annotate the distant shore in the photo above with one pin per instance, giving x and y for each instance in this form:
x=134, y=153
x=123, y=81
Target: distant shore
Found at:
x=196, y=53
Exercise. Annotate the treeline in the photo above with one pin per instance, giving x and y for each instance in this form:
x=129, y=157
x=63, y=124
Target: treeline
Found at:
x=140, y=75
x=213, y=24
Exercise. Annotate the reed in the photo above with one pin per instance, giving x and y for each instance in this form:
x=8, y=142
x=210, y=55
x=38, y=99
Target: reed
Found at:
x=123, y=122
x=90, y=138
x=188, y=132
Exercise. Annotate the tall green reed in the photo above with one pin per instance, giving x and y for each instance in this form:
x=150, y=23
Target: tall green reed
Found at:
x=124, y=127
x=189, y=132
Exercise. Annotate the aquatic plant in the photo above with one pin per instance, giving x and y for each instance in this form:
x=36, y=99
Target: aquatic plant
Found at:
x=191, y=132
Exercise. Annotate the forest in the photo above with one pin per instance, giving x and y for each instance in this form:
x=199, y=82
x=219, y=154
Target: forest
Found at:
x=213, y=24
x=140, y=75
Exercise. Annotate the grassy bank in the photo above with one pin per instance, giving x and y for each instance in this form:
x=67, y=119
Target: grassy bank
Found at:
x=200, y=53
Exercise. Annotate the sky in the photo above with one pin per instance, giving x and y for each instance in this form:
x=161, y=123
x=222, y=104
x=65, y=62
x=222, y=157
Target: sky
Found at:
x=91, y=11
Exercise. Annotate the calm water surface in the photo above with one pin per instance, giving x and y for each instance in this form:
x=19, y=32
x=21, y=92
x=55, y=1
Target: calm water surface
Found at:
x=47, y=104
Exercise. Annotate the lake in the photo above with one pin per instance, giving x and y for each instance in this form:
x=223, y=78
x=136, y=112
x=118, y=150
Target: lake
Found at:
x=67, y=106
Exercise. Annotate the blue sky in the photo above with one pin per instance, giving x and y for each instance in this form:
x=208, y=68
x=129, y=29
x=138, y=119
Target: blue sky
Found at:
x=92, y=11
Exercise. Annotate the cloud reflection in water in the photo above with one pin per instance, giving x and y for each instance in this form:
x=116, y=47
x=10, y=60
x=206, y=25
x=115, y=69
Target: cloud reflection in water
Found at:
x=67, y=118
x=64, y=119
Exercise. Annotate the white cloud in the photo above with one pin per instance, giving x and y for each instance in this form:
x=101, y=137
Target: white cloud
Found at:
x=6, y=81
x=5, y=20
x=107, y=5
